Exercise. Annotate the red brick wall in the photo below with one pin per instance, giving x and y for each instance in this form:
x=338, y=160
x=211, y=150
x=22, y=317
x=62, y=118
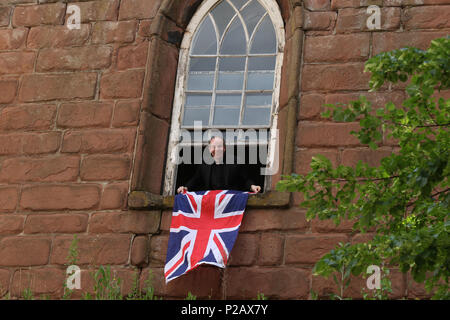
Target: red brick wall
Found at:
x=72, y=107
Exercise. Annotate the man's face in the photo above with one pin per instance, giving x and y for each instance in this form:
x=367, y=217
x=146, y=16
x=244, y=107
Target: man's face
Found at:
x=216, y=148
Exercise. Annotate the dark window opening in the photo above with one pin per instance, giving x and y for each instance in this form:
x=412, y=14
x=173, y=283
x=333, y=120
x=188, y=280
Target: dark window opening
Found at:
x=252, y=162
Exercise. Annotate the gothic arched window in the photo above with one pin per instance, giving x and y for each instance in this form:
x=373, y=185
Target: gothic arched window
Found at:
x=228, y=78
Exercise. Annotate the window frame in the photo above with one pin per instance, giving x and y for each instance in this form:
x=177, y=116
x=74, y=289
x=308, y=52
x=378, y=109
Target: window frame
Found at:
x=180, y=90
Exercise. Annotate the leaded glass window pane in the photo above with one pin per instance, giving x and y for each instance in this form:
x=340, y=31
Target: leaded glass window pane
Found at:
x=260, y=81
x=234, y=41
x=205, y=41
x=222, y=14
x=264, y=40
x=256, y=116
x=239, y=3
x=252, y=13
x=226, y=116
x=231, y=67
x=200, y=81
x=196, y=114
x=258, y=99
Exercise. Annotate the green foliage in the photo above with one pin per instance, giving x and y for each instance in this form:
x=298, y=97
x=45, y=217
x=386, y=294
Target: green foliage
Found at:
x=72, y=259
x=27, y=294
x=406, y=198
x=106, y=285
x=261, y=296
x=190, y=296
x=148, y=292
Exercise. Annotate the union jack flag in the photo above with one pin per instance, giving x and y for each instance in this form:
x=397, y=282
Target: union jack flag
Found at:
x=203, y=230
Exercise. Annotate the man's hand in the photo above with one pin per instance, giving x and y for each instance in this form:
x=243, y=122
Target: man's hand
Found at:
x=182, y=189
x=255, y=189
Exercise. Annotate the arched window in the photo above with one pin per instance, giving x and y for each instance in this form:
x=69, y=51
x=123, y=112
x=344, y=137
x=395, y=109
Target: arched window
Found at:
x=228, y=78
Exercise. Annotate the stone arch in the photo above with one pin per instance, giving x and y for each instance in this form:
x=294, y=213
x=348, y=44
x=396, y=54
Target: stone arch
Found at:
x=165, y=34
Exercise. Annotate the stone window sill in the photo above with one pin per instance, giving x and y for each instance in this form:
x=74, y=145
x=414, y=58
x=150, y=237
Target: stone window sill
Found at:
x=146, y=200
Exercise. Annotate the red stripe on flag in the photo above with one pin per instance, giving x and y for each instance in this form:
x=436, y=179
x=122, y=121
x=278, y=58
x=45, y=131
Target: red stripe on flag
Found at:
x=179, y=261
x=221, y=249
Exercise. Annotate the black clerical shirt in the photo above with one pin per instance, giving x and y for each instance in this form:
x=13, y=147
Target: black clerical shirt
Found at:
x=220, y=177
x=217, y=177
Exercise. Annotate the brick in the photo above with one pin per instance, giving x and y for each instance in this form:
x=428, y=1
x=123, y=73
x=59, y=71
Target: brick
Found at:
x=335, y=48
x=303, y=158
x=319, y=20
x=329, y=77
x=10, y=144
x=74, y=59
x=85, y=114
x=11, y=224
x=139, y=251
x=158, y=250
x=27, y=117
x=355, y=20
x=426, y=17
x=271, y=249
x=56, y=223
x=416, y=290
x=138, y=222
x=362, y=238
x=126, y=113
x=105, y=168
x=7, y=2
x=4, y=19
x=93, y=249
x=114, y=31
x=165, y=28
x=274, y=283
x=388, y=41
x=41, y=143
x=60, y=197
x=350, y=157
x=124, y=84
x=245, y=250
x=99, y=141
x=162, y=72
x=16, y=62
x=8, y=199
x=325, y=134
x=93, y=11
x=114, y=196
x=8, y=89
x=41, y=281
x=134, y=56
x=150, y=161
x=315, y=5
x=339, y=4
x=24, y=251
x=329, y=226
x=42, y=87
x=138, y=9
x=309, y=248
x=29, y=16
x=5, y=279
x=205, y=282
x=265, y=220
x=57, y=36
x=54, y=169
x=311, y=105
x=377, y=99
x=11, y=39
